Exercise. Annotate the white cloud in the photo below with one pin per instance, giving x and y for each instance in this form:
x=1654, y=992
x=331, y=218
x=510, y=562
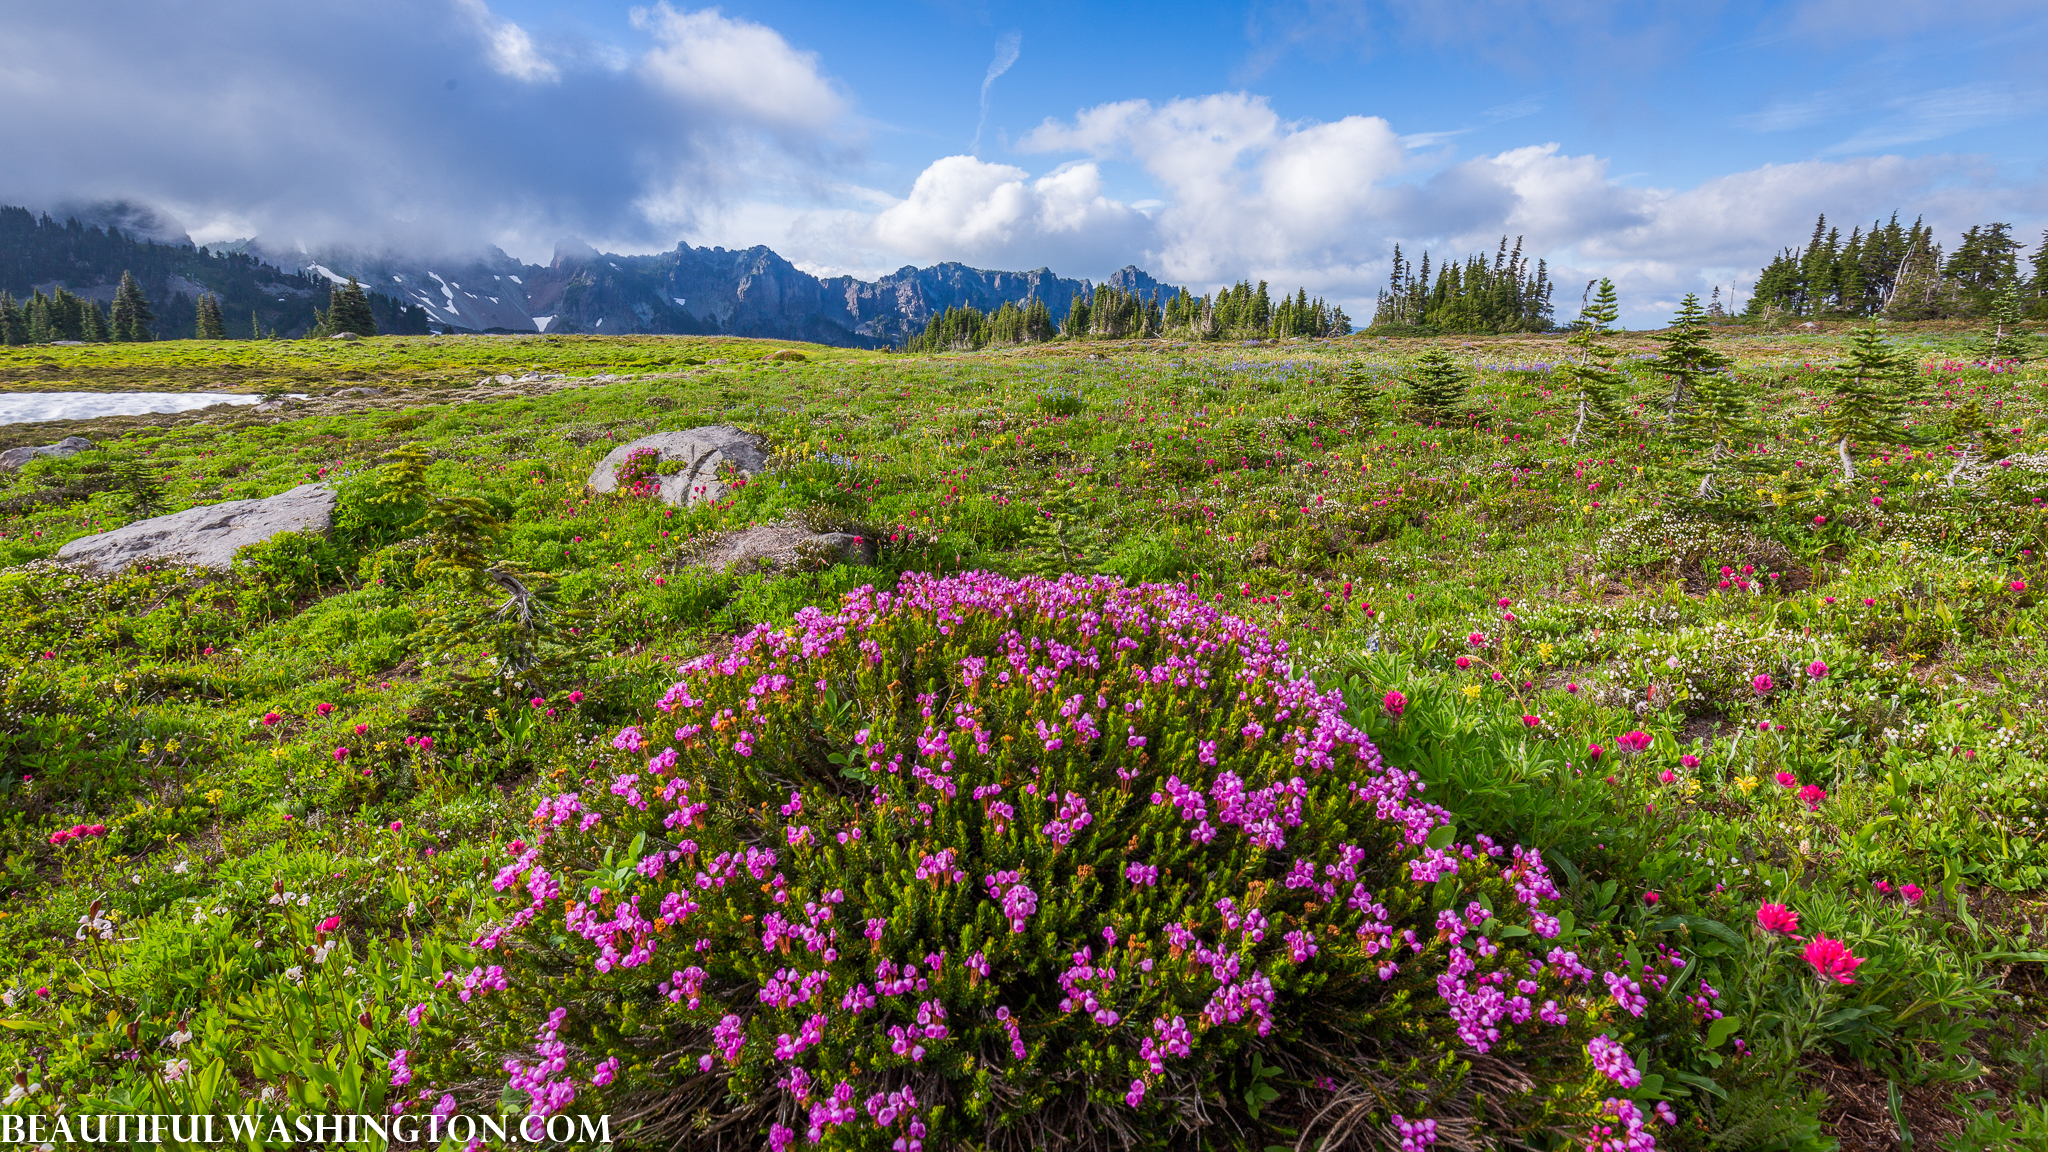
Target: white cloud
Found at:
x=962, y=208
x=1244, y=190
x=510, y=50
x=738, y=68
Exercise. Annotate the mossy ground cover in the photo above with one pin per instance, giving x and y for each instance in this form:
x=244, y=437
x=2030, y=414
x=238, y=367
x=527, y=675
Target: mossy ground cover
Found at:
x=1802, y=691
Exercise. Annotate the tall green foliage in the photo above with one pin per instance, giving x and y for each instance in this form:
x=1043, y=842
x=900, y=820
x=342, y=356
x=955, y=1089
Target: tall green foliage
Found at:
x=1506, y=295
x=1436, y=383
x=13, y=325
x=1687, y=356
x=1895, y=271
x=1870, y=391
x=210, y=325
x=967, y=328
x=1602, y=391
x=133, y=319
x=348, y=310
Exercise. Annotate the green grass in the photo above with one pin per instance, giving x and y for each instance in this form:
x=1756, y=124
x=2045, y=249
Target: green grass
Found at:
x=1376, y=545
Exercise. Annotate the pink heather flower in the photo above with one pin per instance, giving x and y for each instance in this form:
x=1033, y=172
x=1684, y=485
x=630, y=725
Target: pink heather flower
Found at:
x=1911, y=892
x=1136, y=1095
x=323, y=709
x=328, y=925
x=1611, y=1060
x=1394, y=703
x=1877, y=501
x=1832, y=960
x=1819, y=520
x=1689, y=760
x=1787, y=780
x=1817, y=670
x=1812, y=795
x=1762, y=683
x=1667, y=776
x=1572, y=688
x=1532, y=721
x=1477, y=639
x=1464, y=662
x=1593, y=753
x=271, y=718
x=42, y=993
x=1884, y=887
x=576, y=696
x=397, y=825
x=1778, y=918
x=1651, y=897
x=362, y=729
x=539, y=702
x=340, y=754
x=2019, y=585
x=426, y=743
x=1869, y=603
x=1633, y=742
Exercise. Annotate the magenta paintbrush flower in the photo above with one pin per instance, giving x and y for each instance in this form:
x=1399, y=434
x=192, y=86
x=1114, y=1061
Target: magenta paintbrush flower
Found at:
x=1832, y=960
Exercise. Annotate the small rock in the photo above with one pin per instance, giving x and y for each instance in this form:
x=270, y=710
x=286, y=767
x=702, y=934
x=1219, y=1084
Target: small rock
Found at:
x=840, y=548
x=68, y=343
x=204, y=537
x=14, y=458
x=280, y=404
x=344, y=336
x=701, y=451
x=360, y=392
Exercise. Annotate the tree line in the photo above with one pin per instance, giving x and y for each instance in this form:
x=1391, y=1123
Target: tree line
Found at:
x=1900, y=272
x=191, y=291
x=1506, y=294
x=1240, y=311
x=66, y=317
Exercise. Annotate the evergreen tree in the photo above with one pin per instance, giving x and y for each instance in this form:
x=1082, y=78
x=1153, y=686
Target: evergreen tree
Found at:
x=1355, y=388
x=1601, y=388
x=2003, y=340
x=1687, y=355
x=1436, y=383
x=38, y=318
x=348, y=310
x=210, y=326
x=2036, y=295
x=1077, y=318
x=94, y=328
x=1870, y=392
x=1986, y=260
x=1708, y=409
x=13, y=325
x=133, y=319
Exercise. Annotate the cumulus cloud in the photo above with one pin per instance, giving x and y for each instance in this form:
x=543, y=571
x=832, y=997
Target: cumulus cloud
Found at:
x=966, y=209
x=743, y=70
x=1243, y=188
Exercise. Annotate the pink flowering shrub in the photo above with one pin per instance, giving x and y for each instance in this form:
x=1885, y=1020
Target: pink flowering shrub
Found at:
x=1022, y=861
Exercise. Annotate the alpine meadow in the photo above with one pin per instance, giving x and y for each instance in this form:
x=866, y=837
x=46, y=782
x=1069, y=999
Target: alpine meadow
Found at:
x=1274, y=601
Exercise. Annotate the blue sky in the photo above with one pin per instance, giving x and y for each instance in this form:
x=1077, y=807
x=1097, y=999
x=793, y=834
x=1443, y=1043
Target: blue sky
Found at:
x=1673, y=146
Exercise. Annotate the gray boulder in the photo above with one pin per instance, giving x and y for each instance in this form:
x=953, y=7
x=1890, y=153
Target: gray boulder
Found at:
x=355, y=392
x=204, y=537
x=700, y=451
x=14, y=458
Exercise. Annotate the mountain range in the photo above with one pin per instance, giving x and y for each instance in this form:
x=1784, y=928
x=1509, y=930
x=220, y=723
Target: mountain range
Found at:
x=689, y=290
x=734, y=292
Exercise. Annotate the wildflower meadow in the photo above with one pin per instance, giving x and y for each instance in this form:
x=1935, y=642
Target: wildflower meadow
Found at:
x=1608, y=741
